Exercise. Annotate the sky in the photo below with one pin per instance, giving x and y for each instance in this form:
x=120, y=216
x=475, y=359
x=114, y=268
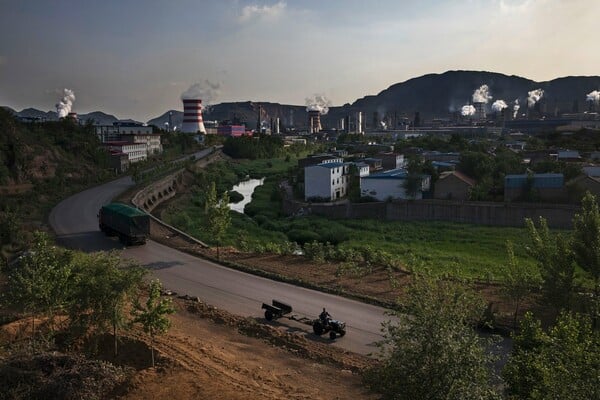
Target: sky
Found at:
x=134, y=58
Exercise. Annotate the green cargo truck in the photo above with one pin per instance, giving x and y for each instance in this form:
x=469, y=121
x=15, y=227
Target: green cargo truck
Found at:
x=130, y=224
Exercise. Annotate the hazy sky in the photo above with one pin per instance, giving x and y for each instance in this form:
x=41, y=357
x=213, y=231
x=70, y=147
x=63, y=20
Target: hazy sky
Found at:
x=134, y=58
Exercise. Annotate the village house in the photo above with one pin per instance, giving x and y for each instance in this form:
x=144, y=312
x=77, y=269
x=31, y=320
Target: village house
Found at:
x=535, y=187
x=391, y=185
x=453, y=185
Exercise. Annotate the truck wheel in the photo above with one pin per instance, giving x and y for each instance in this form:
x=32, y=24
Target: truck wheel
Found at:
x=342, y=332
x=317, y=328
x=332, y=335
x=268, y=315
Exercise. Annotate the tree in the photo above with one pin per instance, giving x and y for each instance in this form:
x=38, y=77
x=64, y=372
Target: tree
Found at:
x=562, y=363
x=412, y=183
x=555, y=263
x=518, y=281
x=586, y=246
x=41, y=282
x=104, y=290
x=431, y=349
x=153, y=316
x=218, y=214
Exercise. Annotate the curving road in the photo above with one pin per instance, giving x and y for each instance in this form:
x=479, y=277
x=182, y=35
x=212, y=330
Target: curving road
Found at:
x=75, y=223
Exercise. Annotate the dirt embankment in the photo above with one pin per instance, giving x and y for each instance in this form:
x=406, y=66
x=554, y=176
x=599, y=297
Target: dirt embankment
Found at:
x=210, y=353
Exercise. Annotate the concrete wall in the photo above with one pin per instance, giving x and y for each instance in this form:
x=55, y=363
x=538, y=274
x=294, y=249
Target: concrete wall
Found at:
x=480, y=213
x=157, y=192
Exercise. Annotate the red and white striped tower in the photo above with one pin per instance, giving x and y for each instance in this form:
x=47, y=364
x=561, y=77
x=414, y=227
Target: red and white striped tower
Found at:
x=192, y=116
x=314, y=121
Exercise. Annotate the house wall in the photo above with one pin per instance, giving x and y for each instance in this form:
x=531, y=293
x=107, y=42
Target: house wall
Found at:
x=544, y=194
x=325, y=182
x=451, y=188
x=383, y=189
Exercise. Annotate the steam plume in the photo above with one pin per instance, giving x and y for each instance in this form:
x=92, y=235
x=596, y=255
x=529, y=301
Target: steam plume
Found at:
x=207, y=91
x=467, y=110
x=318, y=103
x=516, y=108
x=482, y=95
x=64, y=105
x=499, y=105
x=594, y=96
x=534, y=96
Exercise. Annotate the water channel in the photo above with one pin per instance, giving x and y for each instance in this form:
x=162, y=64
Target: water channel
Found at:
x=246, y=189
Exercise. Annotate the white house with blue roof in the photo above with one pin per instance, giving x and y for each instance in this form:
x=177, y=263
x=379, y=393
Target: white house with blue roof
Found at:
x=391, y=185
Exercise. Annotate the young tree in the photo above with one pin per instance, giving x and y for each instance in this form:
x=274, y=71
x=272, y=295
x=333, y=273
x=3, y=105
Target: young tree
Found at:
x=41, y=282
x=586, y=246
x=153, y=316
x=104, y=290
x=560, y=364
x=555, y=263
x=519, y=281
x=218, y=214
x=431, y=349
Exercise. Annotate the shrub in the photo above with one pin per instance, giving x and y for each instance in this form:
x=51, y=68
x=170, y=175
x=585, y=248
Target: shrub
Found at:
x=302, y=236
x=235, y=197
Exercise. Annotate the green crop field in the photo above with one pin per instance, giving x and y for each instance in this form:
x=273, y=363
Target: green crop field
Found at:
x=461, y=250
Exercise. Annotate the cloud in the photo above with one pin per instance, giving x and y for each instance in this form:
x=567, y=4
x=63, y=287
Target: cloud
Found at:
x=252, y=12
x=516, y=6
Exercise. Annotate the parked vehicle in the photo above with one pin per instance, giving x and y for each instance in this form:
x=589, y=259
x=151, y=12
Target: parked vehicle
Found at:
x=130, y=224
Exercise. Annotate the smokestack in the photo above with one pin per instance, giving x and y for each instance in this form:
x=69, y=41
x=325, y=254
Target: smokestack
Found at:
x=314, y=121
x=192, y=116
x=277, y=126
x=480, y=114
x=359, y=122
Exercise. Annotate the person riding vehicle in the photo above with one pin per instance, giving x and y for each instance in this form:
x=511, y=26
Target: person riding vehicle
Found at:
x=324, y=316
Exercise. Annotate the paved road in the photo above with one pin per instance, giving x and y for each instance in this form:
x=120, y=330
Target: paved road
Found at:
x=75, y=223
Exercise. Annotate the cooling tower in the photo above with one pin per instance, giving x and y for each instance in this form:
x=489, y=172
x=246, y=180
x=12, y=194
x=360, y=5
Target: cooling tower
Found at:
x=314, y=121
x=192, y=116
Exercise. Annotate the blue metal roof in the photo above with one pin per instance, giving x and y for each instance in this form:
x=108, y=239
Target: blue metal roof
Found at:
x=391, y=174
x=540, y=181
x=330, y=165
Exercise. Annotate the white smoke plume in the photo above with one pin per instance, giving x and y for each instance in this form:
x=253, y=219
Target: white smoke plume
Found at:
x=516, y=108
x=206, y=91
x=318, y=103
x=482, y=95
x=64, y=105
x=467, y=110
x=534, y=96
x=593, y=96
x=499, y=105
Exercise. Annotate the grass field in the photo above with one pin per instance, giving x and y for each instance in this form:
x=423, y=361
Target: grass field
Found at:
x=461, y=250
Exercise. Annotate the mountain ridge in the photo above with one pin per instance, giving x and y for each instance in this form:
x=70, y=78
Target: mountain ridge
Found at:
x=432, y=95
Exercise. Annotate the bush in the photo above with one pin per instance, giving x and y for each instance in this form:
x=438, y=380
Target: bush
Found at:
x=260, y=219
x=302, y=236
x=235, y=197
